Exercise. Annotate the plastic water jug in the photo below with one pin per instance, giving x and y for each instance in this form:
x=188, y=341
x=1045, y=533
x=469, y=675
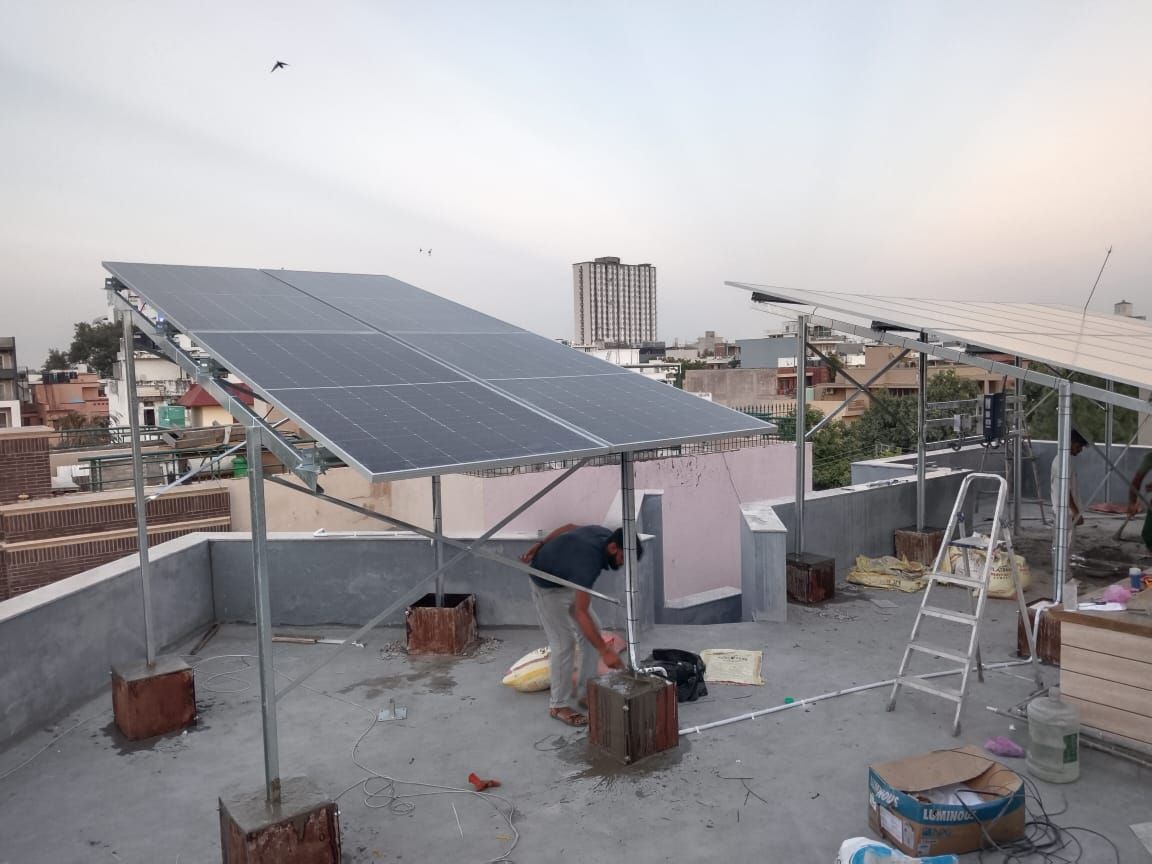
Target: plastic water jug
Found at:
x=1053, y=739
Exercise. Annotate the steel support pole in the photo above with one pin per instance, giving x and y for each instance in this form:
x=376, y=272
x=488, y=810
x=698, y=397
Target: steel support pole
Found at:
x=628, y=522
x=138, y=485
x=801, y=408
x=438, y=530
x=1017, y=453
x=263, y=613
x=1109, y=410
x=1061, y=485
x=921, y=429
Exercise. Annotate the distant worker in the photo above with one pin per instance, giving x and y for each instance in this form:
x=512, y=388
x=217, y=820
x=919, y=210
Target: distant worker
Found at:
x=577, y=554
x=1134, y=496
x=1075, y=511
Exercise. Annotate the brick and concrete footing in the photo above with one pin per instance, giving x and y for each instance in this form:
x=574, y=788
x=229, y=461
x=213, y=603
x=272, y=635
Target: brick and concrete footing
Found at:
x=631, y=717
x=303, y=827
x=448, y=629
x=153, y=700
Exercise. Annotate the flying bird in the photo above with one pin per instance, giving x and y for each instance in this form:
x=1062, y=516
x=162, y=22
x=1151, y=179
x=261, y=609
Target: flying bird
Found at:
x=280, y=64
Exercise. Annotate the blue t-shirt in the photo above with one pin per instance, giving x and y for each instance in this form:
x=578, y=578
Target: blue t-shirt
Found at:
x=577, y=555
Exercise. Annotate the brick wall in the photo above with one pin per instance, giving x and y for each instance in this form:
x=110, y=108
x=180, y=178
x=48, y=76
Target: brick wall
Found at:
x=106, y=511
x=44, y=541
x=24, y=465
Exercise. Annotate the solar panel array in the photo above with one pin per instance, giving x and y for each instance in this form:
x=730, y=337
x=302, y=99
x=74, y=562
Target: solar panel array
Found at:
x=1109, y=346
x=399, y=382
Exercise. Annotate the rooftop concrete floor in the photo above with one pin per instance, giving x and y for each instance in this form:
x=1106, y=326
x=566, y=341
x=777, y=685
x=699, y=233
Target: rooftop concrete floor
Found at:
x=92, y=796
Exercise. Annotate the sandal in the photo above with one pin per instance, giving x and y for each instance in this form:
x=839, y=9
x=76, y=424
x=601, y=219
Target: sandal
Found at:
x=567, y=716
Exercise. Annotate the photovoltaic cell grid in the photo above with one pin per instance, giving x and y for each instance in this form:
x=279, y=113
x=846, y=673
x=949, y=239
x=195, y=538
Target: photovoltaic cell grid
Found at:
x=400, y=382
x=1109, y=346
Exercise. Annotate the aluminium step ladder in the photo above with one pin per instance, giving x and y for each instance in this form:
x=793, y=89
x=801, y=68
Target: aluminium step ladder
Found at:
x=1000, y=538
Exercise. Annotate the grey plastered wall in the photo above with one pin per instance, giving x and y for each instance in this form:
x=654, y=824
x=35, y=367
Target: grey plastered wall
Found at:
x=840, y=524
x=844, y=523
x=59, y=642
x=889, y=468
x=763, y=546
x=347, y=580
x=1090, y=468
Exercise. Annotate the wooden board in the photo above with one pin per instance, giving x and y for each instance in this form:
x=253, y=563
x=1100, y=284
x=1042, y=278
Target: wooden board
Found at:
x=1113, y=720
x=1103, y=641
x=1107, y=666
x=1138, y=700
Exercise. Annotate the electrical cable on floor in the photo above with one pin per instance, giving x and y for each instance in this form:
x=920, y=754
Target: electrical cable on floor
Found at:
x=1043, y=839
x=67, y=731
x=377, y=787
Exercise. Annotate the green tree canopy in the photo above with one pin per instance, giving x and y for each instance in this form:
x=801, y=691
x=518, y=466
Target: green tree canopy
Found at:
x=97, y=345
x=56, y=359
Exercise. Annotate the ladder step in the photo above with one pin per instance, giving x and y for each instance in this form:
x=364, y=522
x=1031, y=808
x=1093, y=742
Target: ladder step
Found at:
x=949, y=615
x=932, y=687
x=945, y=653
x=953, y=579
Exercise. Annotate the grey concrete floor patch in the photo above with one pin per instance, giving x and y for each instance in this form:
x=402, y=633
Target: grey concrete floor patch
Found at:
x=742, y=792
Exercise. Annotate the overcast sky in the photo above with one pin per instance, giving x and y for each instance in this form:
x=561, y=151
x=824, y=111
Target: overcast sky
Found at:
x=991, y=150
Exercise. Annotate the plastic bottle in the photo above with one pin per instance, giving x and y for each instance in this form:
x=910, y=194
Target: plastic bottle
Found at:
x=1135, y=578
x=1053, y=739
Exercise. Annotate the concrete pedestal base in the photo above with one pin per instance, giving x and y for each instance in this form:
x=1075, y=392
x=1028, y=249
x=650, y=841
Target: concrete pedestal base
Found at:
x=149, y=701
x=811, y=578
x=448, y=629
x=304, y=828
x=919, y=546
x=632, y=716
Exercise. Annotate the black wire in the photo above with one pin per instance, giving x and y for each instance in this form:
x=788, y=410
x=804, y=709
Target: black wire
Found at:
x=1043, y=839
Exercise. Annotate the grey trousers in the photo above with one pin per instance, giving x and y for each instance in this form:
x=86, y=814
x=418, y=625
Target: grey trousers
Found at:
x=554, y=606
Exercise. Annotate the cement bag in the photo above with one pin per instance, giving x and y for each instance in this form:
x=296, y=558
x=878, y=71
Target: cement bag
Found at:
x=532, y=672
x=1000, y=576
x=887, y=572
x=862, y=850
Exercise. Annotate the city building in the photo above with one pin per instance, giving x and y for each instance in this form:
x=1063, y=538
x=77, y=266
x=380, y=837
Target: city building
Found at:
x=644, y=361
x=159, y=383
x=67, y=398
x=10, y=396
x=614, y=303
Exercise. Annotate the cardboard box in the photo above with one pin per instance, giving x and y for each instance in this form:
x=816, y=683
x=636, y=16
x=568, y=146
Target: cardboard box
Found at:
x=903, y=814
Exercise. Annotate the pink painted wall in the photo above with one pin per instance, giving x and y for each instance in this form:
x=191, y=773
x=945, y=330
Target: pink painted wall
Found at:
x=702, y=497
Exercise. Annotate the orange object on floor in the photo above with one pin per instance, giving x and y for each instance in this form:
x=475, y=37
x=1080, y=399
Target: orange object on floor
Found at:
x=480, y=784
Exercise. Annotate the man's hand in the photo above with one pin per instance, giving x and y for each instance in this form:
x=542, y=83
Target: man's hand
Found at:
x=611, y=658
x=1079, y=519
x=1132, y=505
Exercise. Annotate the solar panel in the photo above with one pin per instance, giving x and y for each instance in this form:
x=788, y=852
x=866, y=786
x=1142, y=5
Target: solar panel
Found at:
x=399, y=382
x=493, y=357
x=198, y=299
x=430, y=428
x=630, y=412
x=306, y=360
x=394, y=306
x=1109, y=346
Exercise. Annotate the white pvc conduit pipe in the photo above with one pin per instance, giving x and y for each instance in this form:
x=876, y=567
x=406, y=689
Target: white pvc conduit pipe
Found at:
x=752, y=715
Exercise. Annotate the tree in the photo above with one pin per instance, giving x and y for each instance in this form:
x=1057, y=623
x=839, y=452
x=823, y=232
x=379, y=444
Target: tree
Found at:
x=97, y=345
x=57, y=359
x=889, y=424
x=833, y=450
x=1088, y=418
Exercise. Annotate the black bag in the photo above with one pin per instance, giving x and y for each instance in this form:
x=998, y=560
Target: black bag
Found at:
x=683, y=668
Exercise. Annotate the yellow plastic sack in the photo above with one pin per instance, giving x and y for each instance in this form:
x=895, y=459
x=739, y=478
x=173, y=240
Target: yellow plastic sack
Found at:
x=999, y=577
x=887, y=572
x=531, y=672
